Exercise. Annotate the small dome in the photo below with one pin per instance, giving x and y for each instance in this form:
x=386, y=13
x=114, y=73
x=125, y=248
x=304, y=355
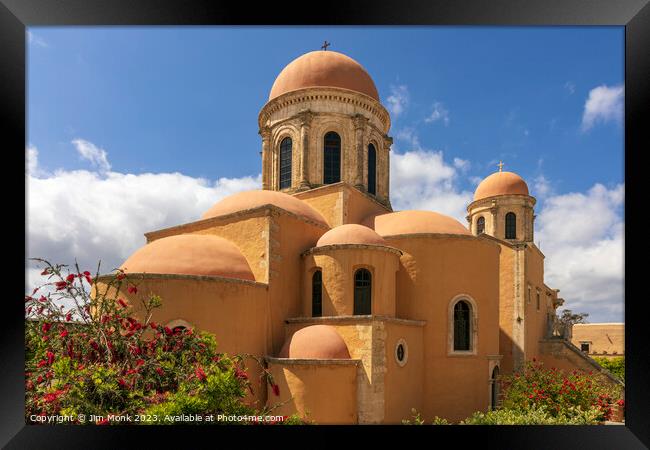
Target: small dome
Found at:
x=252, y=199
x=501, y=183
x=190, y=254
x=413, y=221
x=351, y=234
x=324, y=69
x=315, y=342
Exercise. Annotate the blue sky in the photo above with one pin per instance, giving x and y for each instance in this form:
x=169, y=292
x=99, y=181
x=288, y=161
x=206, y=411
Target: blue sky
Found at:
x=159, y=100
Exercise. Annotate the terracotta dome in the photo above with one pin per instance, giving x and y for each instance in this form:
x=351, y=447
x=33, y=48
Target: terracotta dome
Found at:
x=190, y=254
x=315, y=342
x=324, y=69
x=252, y=199
x=411, y=222
x=351, y=234
x=501, y=183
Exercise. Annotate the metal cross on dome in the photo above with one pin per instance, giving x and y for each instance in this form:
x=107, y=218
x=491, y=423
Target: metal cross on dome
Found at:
x=325, y=45
x=500, y=166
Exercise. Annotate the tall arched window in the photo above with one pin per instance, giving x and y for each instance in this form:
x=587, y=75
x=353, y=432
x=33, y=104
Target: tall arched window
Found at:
x=495, y=388
x=462, y=325
x=331, y=158
x=317, y=294
x=511, y=226
x=362, y=292
x=285, y=163
x=480, y=225
x=372, y=169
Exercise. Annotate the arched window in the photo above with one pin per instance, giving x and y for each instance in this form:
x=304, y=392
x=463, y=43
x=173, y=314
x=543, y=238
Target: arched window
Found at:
x=480, y=225
x=362, y=292
x=511, y=226
x=332, y=158
x=462, y=325
x=372, y=169
x=285, y=163
x=495, y=388
x=317, y=294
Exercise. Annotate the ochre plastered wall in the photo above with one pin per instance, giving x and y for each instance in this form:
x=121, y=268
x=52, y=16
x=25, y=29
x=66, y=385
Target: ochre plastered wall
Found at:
x=289, y=237
x=236, y=312
x=249, y=231
x=340, y=203
x=434, y=270
x=494, y=210
x=605, y=339
x=338, y=265
x=403, y=384
x=322, y=391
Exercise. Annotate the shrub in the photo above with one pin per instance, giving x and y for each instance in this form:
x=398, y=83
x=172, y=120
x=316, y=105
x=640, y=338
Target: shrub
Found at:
x=95, y=358
x=561, y=394
x=536, y=415
x=616, y=366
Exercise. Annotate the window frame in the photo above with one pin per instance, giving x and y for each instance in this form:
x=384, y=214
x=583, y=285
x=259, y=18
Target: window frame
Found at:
x=473, y=322
x=281, y=159
x=480, y=225
x=313, y=275
x=372, y=191
x=510, y=226
x=354, y=290
x=325, y=159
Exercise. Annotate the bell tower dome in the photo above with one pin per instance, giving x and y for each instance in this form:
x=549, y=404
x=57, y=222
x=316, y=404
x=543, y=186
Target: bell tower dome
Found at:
x=324, y=124
x=503, y=208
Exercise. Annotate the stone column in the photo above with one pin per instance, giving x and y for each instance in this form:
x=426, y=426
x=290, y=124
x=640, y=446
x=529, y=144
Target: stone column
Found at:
x=305, y=124
x=388, y=141
x=359, y=130
x=495, y=211
x=266, y=157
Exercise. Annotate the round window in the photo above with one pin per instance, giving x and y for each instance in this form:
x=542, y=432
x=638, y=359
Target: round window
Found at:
x=401, y=352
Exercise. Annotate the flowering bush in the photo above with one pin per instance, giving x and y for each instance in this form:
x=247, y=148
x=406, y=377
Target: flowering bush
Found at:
x=90, y=356
x=560, y=394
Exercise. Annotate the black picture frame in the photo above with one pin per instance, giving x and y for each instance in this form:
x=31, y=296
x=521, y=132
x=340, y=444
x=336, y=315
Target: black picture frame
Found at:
x=634, y=15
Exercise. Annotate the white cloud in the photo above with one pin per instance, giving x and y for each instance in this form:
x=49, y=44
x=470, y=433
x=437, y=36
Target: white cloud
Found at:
x=409, y=135
x=398, y=100
x=462, y=164
x=90, y=152
x=605, y=104
x=541, y=187
x=439, y=113
x=35, y=40
x=31, y=160
x=420, y=179
x=582, y=236
x=82, y=214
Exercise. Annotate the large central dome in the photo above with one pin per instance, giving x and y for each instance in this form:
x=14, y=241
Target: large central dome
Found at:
x=324, y=69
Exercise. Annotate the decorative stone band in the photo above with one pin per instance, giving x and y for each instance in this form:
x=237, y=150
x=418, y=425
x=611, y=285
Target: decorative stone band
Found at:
x=175, y=276
x=489, y=202
x=309, y=362
x=356, y=319
x=262, y=210
x=332, y=247
x=319, y=93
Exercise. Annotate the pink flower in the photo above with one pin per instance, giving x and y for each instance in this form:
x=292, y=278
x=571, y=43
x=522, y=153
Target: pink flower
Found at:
x=70, y=278
x=64, y=333
x=276, y=389
x=50, y=358
x=120, y=276
x=87, y=276
x=46, y=327
x=200, y=374
x=133, y=290
x=122, y=303
x=60, y=285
